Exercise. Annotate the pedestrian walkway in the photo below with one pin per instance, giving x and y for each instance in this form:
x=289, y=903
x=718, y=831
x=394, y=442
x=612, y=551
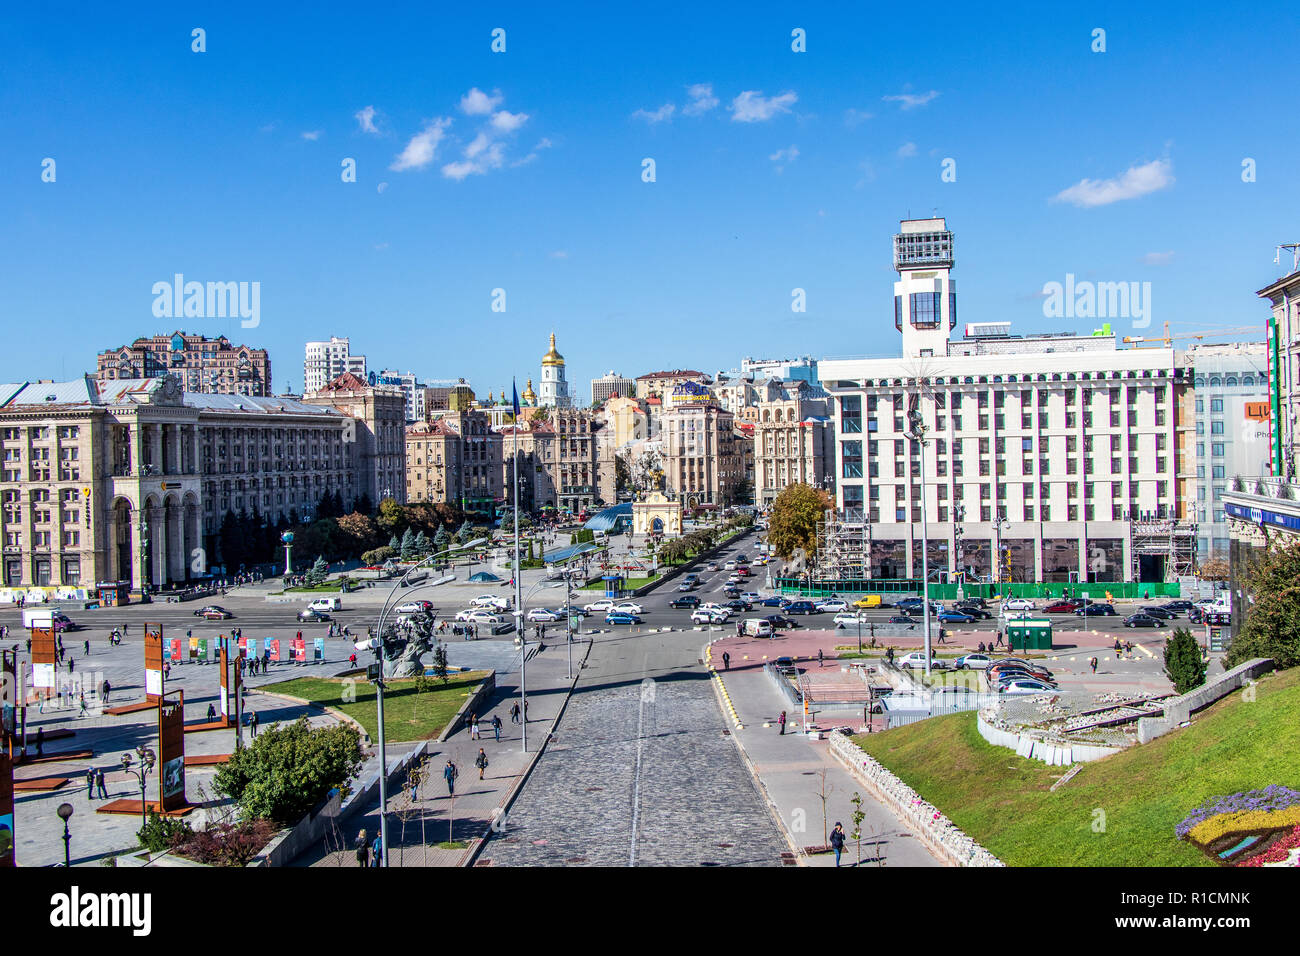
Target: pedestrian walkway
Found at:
x=790, y=768
x=431, y=828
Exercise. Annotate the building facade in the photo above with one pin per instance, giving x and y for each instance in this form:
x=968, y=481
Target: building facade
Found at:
x=326, y=361
x=377, y=437
x=455, y=459
x=198, y=363
x=702, y=462
x=794, y=439
x=413, y=390
x=609, y=385
x=655, y=384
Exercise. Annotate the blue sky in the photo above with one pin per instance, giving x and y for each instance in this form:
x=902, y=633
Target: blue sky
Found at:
x=225, y=166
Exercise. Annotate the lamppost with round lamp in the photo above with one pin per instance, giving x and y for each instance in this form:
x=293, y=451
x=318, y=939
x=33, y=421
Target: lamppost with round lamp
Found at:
x=65, y=814
x=287, y=539
x=147, y=758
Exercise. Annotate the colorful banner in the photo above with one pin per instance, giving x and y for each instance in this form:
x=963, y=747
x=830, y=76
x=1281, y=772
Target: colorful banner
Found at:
x=275, y=647
x=300, y=650
x=318, y=647
x=174, y=647
x=194, y=648
x=252, y=648
x=203, y=648
x=243, y=646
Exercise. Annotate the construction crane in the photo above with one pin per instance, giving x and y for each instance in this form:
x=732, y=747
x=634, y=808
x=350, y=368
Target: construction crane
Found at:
x=1167, y=340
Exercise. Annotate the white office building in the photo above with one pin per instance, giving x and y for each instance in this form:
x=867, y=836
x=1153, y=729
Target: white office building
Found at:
x=326, y=361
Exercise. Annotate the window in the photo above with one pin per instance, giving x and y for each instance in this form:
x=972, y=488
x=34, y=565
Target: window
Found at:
x=851, y=414
x=1218, y=472
x=851, y=452
x=1216, y=405
x=1216, y=449
x=1216, y=428
x=925, y=310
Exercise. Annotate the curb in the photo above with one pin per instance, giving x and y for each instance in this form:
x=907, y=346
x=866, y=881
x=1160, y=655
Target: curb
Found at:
x=720, y=686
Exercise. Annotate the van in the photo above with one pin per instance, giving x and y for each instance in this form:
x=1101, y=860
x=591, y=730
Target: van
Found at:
x=326, y=604
x=757, y=627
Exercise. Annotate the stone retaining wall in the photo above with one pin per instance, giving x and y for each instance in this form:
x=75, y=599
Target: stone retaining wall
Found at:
x=1180, y=709
x=1055, y=753
x=940, y=834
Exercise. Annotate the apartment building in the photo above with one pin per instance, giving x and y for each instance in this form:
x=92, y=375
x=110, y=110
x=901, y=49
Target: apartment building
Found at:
x=702, y=459
x=609, y=385
x=198, y=363
x=326, y=361
x=376, y=441
x=455, y=459
x=794, y=438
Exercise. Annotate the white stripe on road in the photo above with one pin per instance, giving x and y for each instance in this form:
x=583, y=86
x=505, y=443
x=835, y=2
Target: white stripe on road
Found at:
x=647, y=686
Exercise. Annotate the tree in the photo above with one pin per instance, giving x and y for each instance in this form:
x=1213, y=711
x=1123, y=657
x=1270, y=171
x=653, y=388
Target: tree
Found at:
x=392, y=517
x=363, y=505
x=1272, y=625
x=440, y=662
x=230, y=539
x=288, y=770
x=792, y=524
x=423, y=547
x=358, y=531
x=1215, y=569
x=1183, y=663
x=442, y=540
x=377, y=556
x=394, y=543
x=465, y=532
x=408, y=546
x=319, y=572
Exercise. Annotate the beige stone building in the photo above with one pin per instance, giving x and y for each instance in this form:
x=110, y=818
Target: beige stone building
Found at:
x=793, y=439
x=655, y=384
x=703, y=463
x=377, y=442
x=199, y=363
x=457, y=460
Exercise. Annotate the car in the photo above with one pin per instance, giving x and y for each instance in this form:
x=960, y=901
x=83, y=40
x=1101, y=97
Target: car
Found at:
x=628, y=607
x=597, y=606
x=733, y=579
x=712, y=566
x=1016, y=673
x=955, y=617
x=977, y=662
x=915, y=606
x=742, y=559
x=688, y=600
x=213, y=612
x=478, y=616
x=1026, y=686
x=751, y=596
x=686, y=586
x=621, y=617
x=801, y=607
x=870, y=600
x=708, y=615
x=1178, y=607
x=917, y=659
x=1196, y=615
x=976, y=612
x=902, y=619
x=489, y=600
x=739, y=604
x=774, y=602
x=834, y=606
x=1018, y=604
x=62, y=622
x=541, y=615
x=781, y=621
x=1000, y=671
x=1096, y=610
x=1143, y=620
x=1067, y=606
x=1158, y=612
x=573, y=611
x=849, y=619
x=410, y=607
x=312, y=616
x=729, y=566
x=744, y=572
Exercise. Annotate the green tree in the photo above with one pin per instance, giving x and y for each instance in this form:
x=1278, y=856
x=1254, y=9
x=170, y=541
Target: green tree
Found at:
x=442, y=540
x=465, y=532
x=792, y=524
x=377, y=555
x=1272, y=625
x=440, y=662
x=1183, y=663
x=394, y=543
x=423, y=546
x=319, y=571
x=408, y=546
x=287, y=770
x=392, y=517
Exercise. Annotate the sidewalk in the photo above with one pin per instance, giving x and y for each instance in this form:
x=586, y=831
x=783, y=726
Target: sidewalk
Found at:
x=790, y=770
x=464, y=819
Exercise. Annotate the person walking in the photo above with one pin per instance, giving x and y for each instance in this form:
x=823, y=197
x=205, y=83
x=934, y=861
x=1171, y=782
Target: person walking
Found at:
x=212, y=713
x=363, y=850
x=90, y=783
x=821, y=657
x=514, y=713
x=473, y=727
x=496, y=726
x=1093, y=662
x=85, y=646
x=71, y=662
x=252, y=723
x=781, y=720
x=481, y=761
x=837, y=841
x=100, y=790
x=999, y=641
x=377, y=850
x=450, y=773
x=726, y=661
x=40, y=741
x=105, y=689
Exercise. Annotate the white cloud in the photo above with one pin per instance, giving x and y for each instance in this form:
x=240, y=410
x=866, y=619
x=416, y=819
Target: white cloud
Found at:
x=381, y=187
x=1157, y=258
x=853, y=117
x=507, y=122
x=423, y=147
x=664, y=112
x=752, y=106
x=906, y=150
x=543, y=143
x=1134, y=182
x=366, y=119
x=909, y=101
x=311, y=135
x=702, y=99
x=478, y=103
x=783, y=157
x=493, y=157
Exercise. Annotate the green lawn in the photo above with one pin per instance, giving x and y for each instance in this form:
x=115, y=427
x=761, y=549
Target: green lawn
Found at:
x=1003, y=800
x=628, y=584
x=408, y=715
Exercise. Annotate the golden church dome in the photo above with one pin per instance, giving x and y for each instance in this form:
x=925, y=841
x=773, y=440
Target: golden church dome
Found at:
x=552, y=357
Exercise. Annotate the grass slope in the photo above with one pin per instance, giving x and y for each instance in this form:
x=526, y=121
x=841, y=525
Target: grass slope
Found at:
x=1003, y=800
x=408, y=715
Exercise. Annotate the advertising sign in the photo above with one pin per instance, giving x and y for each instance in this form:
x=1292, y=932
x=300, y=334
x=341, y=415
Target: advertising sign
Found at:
x=45, y=653
x=194, y=648
x=243, y=646
x=274, y=644
x=203, y=648
x=176, y=649
x=300, y=650
x=318, y=649
x=252, y=647
x=153, y=661
x=171, y=752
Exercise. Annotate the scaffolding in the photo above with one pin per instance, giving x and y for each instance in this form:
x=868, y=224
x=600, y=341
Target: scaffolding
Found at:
x=1167, y=538
x=843, y=539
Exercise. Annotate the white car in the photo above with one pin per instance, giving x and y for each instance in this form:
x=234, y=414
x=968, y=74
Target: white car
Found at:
x=600, y=607
x=729, y=566
x=733, y=579
x=627, y=607
x=917, y=659
x=541, y=615
x=710, y=616
x=1018, y=604
x=489, y=600
x=836, y=605
x=410, y=607
x=1026, y=686
x=849, y=619
x=477, y=616
x=752, y=597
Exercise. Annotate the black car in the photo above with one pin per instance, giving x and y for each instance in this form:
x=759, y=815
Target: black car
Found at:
x=739, y=605
x=902, y=619
x=1163, y=613
x=801, y=607
x=1096, y=610
x=976, y=612
x=686, y=600
x=309, y=616
x=1143, y=620
x=1178, y=607
x=779, y=621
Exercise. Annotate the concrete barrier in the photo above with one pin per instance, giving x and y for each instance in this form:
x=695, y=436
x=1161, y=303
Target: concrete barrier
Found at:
x=1179, y=710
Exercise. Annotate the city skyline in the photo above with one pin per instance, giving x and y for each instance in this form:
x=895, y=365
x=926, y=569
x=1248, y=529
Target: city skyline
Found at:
x=480, y=171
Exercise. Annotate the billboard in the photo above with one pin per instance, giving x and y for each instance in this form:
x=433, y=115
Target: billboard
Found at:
x=153, y=661
x=171, y=752
x=45, y=653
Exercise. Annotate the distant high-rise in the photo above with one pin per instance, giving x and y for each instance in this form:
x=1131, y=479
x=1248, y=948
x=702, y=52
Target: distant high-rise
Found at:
x=925, y=298
x=326, y=361
x=607, y=386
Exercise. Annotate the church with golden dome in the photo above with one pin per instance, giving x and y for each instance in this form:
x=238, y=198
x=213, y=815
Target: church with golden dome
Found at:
x=554, y=389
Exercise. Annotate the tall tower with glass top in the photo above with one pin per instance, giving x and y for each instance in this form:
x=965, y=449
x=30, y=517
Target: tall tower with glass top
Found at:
x=925, y=296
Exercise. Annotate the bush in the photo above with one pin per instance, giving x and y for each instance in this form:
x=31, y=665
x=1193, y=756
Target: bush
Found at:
x=1272, y=625
x=378, y=555
x=161, y=833
x=227, y=844
x=288, y=770
x=1183, y=663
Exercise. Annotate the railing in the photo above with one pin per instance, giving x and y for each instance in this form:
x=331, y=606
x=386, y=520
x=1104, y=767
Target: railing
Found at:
x=947, y=591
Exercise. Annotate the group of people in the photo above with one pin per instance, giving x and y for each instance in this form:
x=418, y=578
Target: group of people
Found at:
x=476, y=734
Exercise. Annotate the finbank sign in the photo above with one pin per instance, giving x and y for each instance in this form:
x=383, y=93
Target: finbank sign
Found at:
x=78, y=910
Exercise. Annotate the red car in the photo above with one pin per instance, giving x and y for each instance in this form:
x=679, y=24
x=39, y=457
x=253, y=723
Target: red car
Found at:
x=1067, y=606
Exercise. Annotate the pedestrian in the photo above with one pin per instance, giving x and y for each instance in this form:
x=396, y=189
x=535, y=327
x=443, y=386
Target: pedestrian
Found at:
x=450, y=773
x=86, y=647
x=1093, y=662
x=377, y=850
x=473, y=727
x=212, y=713
x=100, y=790
x=105, y=690
x=781, y=720
x=363, y=850
x=481, y=761
x=821, y=657
x=837, y=841
x=252, y=722
x=726, y=660
x=496, y=726
x=999, y=643
x=514, y=713
x=352, y=661
x=71, y=662
x=90, y=783
x=40, y=741
x=82, y=697
x=740, y=628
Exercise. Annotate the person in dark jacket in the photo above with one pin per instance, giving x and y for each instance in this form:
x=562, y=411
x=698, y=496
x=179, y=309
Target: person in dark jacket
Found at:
x=781, y=720
x=450, y=773
x=481, y=761
x=837, y=841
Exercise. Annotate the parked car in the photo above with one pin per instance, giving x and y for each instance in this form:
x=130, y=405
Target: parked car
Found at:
x=834, y=606
x=541, y=615
x=1067, y=606
x=801, y=607
x=955, y=617
x=781, y=621
x=710, y=615
x=1025, y=686
x=599, y=606
x=774, y=602
x=627, y=607
x=977, y=662
x=1018, y=604
x=756, y=627
x=621, y=617
x=739, y=605
x=1096, y=610
x=478, y=616
x=1161, y=613
x=213, y=612
x=489, y=600
x=688, y=600
x=902, y=619
x=917, y=659
x=1006, y=675
x=1143, y=620
x=311, y=616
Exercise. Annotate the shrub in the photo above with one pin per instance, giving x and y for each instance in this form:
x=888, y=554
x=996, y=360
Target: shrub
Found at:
x=227, y=844
x=378, y=555
x=1183, y=663
x=161, y=833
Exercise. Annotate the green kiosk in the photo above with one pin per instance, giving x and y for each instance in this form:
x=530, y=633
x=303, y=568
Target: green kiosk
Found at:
x=1029, y=634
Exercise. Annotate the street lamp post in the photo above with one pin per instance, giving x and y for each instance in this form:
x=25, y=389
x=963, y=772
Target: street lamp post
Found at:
x=998, y=525
x=917, y=434
x=147, y=759
x=65, y=813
